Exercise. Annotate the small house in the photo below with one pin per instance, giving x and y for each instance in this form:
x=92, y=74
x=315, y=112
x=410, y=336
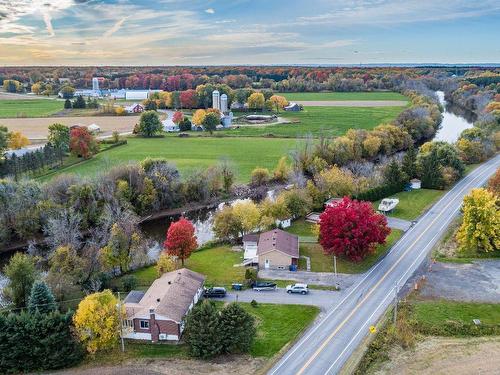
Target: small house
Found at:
x=134, y=108
x=292, y=107
x=415, y=183
x=278, y=249
x=169, y=126
x=158, y=314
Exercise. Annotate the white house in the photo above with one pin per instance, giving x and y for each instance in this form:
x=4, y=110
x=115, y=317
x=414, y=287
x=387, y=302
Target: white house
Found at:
x=169, y=126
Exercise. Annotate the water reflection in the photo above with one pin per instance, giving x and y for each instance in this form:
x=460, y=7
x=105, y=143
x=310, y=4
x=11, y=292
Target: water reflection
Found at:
x=455, y=120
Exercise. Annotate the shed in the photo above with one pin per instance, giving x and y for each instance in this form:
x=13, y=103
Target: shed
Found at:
x=416, y=183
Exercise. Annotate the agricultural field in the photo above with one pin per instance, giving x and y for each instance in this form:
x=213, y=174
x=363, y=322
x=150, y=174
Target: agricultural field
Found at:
x=317, y=121
x=334, y=96
x=17, y=108
x=191, y=153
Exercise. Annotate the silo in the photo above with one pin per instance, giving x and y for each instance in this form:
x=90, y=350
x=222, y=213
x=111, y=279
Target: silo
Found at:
x=216, y=100
x=223, y=103
x=95, y=84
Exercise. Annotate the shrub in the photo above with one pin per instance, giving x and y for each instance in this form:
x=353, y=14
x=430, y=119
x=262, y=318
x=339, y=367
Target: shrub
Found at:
x=251, y=275
x=254, y=303
x=129, y=282
x=185, y=125
x=260, y=176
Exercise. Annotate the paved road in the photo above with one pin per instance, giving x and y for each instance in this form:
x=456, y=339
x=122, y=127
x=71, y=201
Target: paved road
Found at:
x=328, y=344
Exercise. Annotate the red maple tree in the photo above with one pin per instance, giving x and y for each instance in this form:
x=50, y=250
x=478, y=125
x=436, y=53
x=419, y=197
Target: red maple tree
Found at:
x=188, y=99
x=181, y=241
x=352, y=228
x=177, y=117
x=82, y=142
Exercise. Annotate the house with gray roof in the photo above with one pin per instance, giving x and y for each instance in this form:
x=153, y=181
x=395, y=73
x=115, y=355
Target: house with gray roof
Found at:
x=277, y=249
x=158, y=314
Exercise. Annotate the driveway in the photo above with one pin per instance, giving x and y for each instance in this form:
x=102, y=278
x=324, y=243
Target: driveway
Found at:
x=395, y=223
x=476, y=282
x=343, y=280
x=324, y=299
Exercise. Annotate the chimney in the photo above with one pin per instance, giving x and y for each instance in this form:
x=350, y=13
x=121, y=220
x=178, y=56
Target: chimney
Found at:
x=153, y=328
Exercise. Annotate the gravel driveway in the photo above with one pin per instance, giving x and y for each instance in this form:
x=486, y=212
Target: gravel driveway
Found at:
x=313, y=278
x=476, y=282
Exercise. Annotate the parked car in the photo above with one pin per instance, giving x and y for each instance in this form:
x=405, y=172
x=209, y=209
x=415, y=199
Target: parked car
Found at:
x=297, y=288
x=215, y=292
x=263, y=285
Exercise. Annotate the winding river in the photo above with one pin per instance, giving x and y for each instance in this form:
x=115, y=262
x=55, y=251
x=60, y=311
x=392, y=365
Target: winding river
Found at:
x=455, y=120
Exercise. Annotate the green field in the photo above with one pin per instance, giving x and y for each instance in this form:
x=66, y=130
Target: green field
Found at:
x=413, y=203
x=316, y=121
x=192, y=153
x=437, y=312
x=216, y=263
x=30, y=108
x=334, y=96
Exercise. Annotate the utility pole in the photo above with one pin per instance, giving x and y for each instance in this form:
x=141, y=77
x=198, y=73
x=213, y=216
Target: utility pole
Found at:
x=395, y=303
x=335, y=265
x=121, y=322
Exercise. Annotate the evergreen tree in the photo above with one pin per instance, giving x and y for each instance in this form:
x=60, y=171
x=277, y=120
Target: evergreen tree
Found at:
x=409, y=164
x=79, y=102
x=203, y=330
x=394, y=176
x=41, y=299
x=67, y=104
x=431, y=171
x=237, y=329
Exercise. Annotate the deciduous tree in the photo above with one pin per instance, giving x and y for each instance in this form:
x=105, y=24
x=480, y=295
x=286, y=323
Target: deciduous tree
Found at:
x=18, y=140
x=279, y=102
x=22, y=273
x=480, y=229
x=211, y=121
x=149, y=124
x=59, y=136
x=494, y=183
x=256, y=101
x=352, y=229
x=97, y=321
x=82, y=143
x=181, y=241
x=198, y=117
x=165, y=264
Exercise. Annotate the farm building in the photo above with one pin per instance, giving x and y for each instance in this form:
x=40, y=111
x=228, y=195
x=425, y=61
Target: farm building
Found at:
x=158, y=314
x=134, y=108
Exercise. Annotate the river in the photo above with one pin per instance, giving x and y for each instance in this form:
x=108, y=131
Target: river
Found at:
x=455, y=120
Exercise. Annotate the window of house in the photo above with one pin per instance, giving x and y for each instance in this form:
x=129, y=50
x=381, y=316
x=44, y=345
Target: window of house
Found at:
x=127, y=323
x=144, y=324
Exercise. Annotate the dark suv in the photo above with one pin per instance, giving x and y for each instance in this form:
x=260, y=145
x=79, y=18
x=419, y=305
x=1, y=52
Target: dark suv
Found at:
x=215, y=292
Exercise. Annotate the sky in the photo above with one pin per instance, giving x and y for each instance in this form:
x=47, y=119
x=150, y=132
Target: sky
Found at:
x=230, y=32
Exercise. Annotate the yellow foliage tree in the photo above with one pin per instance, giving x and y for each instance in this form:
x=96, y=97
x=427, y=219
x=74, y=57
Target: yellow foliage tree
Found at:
x=18, y=140
x=371, y=145
x=480, y=227
x=248, y=214
x=199, y=116
x=256, y=101
x=335, y=182
x=282, y=170
x=165, y=264
x=97, y=321
x=36, y=88
x=120, y=111
x=279, y=102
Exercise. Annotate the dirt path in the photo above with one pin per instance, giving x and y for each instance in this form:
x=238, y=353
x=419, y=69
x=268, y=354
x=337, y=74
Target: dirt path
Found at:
x=240, y=365
x=352, y=103
x=447, y=356
x=37, y=128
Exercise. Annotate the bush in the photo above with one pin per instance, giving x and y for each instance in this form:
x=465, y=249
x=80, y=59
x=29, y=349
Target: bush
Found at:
x=377, y=193
x=260, y=176
x=185, y=125
x=129, y=282
x=254, y=303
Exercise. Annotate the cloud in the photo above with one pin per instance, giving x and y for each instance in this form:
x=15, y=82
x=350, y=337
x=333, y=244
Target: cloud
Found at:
x=48, y=23
x=115, y=27
x=210, y=11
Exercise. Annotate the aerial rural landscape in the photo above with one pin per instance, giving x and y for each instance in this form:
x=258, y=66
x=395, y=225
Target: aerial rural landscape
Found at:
x=249, y=187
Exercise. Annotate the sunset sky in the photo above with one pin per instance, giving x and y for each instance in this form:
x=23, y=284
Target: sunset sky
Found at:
x=176, y=32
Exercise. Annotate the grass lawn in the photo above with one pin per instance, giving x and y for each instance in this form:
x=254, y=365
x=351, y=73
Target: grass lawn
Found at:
x=324, y=263
x=413, y=203
x=30, y=108
x=311, y=96
x=304, y=230
x=216, y=263
x=277, y=326
x=192, y=153
x=316, y=121
x=434, y=313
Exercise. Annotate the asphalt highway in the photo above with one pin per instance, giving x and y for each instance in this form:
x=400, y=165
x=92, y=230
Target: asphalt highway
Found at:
x=327, y=345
